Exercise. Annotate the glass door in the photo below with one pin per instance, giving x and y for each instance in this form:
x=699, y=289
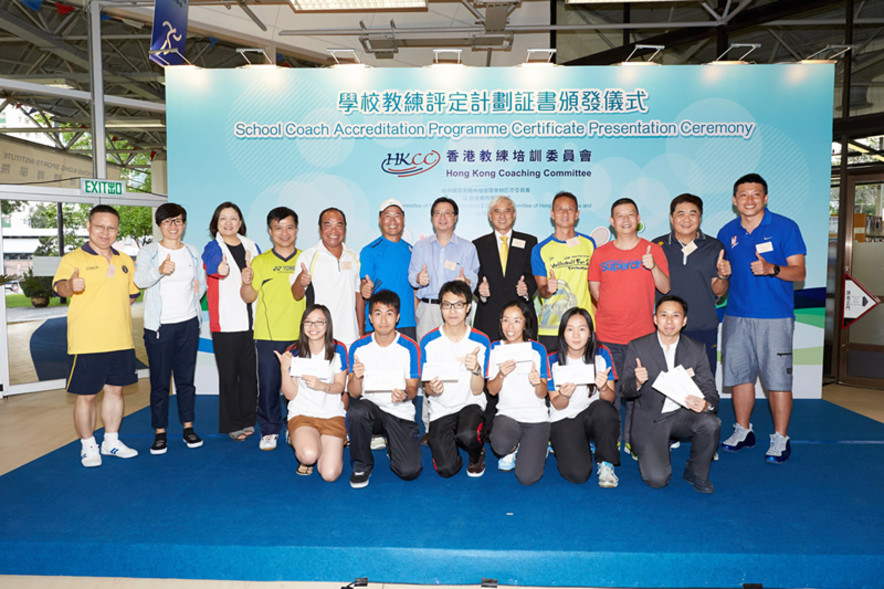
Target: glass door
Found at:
x=862, y=342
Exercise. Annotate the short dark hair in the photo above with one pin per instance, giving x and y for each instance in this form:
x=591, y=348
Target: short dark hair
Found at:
x=687, y=197
x=170, y=210
x=527, y=310
x=672, y=299
x=213, y=224
x=103, y=209
x=332, y=210
x=457, y=288
x=384, y=297
x=442, y=199
x=623, y=201
x=280, y=213
x=752, y=178
x=565, y=194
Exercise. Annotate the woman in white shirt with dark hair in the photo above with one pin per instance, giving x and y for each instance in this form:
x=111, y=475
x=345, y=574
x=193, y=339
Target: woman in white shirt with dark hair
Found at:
x=171, y=274
x=581, y=413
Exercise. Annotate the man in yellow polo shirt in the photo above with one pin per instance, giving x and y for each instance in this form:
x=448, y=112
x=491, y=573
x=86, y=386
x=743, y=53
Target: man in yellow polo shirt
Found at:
x=98, y=281
x=268, y=278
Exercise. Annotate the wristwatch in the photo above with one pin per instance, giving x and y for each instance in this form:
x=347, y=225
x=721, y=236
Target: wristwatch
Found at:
x=776, y=270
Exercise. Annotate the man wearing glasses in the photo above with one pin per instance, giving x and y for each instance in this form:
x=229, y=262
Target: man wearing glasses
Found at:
x=766, y=254
x=456, y=362
x=438, y=259
x=99, y=282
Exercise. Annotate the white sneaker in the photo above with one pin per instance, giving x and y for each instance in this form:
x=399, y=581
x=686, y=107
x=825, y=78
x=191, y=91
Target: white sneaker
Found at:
x=90, y=456
x=118, y=449
x=268, y=442
x=508, y=462
x=378, y=443
x=607, y=478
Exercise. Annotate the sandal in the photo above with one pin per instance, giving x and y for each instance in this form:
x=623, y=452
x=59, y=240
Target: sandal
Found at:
x=238, y=436
x=304, y=470
x=249, y=430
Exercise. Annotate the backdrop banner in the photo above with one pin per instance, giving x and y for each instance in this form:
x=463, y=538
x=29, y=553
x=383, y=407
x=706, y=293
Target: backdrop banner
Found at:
x=352, y=137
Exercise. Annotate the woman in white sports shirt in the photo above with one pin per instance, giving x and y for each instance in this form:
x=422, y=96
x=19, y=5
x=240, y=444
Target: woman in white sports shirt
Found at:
x=521, y=426
x=316, y=425
x=584, y=412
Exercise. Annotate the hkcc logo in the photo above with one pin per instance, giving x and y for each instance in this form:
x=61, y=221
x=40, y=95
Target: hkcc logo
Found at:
x=406, y=164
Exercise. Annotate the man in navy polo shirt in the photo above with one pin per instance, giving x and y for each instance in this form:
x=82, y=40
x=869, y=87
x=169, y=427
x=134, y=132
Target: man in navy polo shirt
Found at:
x=766, y=253
x=698, y=272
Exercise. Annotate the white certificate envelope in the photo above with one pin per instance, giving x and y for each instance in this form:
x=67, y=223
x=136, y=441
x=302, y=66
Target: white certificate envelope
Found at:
x=676, y=385
x=383, y=380
x=574, y=373
x=522, y=354
x=317, y=367
x=445, y=371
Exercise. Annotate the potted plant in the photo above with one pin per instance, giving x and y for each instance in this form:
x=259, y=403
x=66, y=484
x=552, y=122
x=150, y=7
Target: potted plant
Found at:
x=37, y=288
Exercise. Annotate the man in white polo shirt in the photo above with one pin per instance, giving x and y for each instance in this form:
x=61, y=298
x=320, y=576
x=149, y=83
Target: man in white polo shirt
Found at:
x=329, y=275
x=456, y=359
x=377, y=405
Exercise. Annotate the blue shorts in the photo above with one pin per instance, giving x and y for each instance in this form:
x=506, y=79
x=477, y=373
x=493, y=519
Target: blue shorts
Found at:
x=88, y=373
x=752, y=346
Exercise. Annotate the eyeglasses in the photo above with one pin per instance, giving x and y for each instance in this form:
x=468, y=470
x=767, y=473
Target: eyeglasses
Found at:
x=320, y=323
x=459, y=305
x=168, y=222
x=443, y=214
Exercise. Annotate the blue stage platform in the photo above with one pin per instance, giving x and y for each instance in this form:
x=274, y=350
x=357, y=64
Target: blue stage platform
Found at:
x=229, y=511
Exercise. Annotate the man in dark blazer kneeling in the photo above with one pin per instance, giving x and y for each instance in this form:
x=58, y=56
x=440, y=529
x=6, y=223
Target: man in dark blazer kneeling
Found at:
x=656, y=418
x=504, y=266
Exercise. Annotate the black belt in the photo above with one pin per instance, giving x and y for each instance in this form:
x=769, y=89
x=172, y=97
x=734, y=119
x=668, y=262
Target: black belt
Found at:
x=431, y=301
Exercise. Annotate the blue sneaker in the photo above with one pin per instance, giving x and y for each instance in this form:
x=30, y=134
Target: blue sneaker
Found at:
x=780, y=449
x=508, y=462
x=741, y=438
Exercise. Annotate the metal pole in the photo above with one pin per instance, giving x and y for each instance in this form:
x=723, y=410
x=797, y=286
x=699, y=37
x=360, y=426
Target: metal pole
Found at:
x=96, y=76
x=844, y=250
x=59, y=221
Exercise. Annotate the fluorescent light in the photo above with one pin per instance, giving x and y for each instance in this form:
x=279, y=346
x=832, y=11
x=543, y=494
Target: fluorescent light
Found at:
x=355, y=5
x=625, y=1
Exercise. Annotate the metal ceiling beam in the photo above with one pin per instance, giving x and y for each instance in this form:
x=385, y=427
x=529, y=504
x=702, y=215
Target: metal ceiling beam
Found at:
x=39, y=90
x=747, y=19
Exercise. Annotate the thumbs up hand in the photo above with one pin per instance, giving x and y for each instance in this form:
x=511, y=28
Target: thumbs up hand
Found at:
x=522, y=287
x=168, y=266
x=223, y=267
x=358, y=368
x=471, y=361
x=247, y=273
x=641, y=373
x=648, y=260
x=461, y=277
x=601, y=378
x=484, y=288
x=366, y=287
x=78, y=284
x=723, y=266
x=552, y=285
x=304, y=278
x=423, y=277
x=534, y=375
x=760, y=266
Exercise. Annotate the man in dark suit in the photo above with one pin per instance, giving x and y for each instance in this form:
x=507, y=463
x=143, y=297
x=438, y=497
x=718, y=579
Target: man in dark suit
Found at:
x=504, y=266
x=657, y=418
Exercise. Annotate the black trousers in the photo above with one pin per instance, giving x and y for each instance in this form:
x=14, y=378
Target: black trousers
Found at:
x=364, y=420
x=237, y=380
x=570, y=440
x=458, y=430
x=650, y=440
x=171, y=352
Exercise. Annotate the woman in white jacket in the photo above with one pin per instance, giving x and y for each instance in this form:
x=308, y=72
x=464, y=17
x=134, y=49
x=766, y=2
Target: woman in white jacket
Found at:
x=172, y=276
x=230, y=321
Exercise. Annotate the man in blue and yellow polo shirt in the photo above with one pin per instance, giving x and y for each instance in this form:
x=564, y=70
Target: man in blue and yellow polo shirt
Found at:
x=98, y=280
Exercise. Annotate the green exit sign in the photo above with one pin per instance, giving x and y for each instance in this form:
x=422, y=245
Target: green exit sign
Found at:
x=102, y=187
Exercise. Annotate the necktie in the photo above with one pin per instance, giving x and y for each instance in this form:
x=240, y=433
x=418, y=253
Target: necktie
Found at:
x=504, y=252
